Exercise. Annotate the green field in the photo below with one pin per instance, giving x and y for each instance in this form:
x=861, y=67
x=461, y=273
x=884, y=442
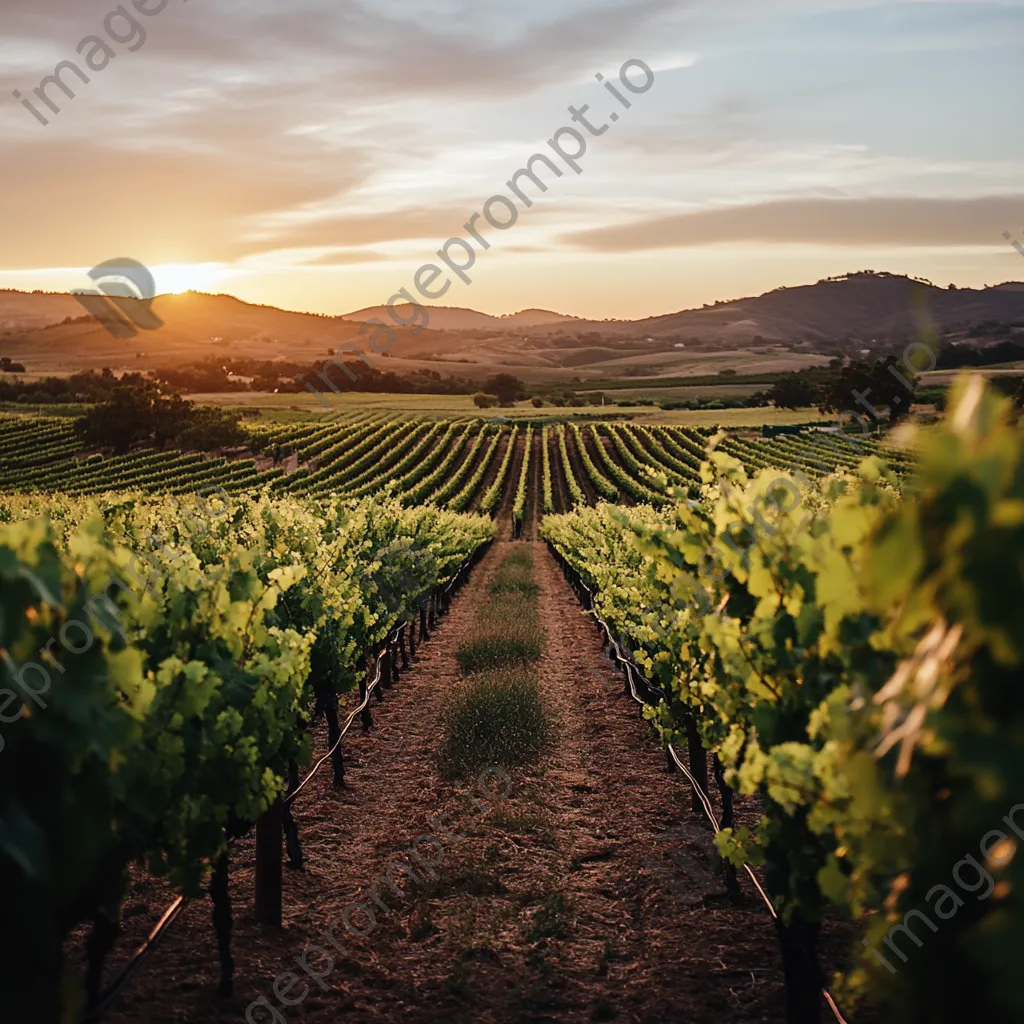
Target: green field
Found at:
x=931, y=378
x=282, y=408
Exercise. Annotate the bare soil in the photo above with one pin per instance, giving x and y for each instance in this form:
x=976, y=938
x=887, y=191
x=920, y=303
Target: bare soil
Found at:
x=534, y=497
x=559, y=487
x=582, y=478
x=508, y=494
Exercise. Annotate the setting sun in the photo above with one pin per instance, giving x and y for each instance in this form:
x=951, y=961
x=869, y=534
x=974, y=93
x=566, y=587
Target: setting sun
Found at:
x=175, y=278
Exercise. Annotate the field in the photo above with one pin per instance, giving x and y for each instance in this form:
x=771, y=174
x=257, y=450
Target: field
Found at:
x=946, y=377
x=402, y=649
x=271, y=406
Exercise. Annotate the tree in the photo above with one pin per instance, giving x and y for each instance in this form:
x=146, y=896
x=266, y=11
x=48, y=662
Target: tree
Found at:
x=1012, y=387
x=127, y=418
x=506, y=388
x=537, y=401
x=141, y=414
x=793, y=391
x=867, y=387
x=482, y=400
x=208, y=429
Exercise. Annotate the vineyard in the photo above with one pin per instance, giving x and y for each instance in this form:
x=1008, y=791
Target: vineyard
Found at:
x=822, y=629
x=852, y=660
x=464, y=465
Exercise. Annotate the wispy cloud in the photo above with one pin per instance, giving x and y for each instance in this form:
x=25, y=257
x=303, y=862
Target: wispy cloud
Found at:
x=830, y=222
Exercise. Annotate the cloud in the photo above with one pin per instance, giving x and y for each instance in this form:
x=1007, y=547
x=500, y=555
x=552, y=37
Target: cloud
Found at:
x=337, y=258
x=832, y=222
x=80, y=201
x=243, y=127
x=355, y=229
x=335, y=48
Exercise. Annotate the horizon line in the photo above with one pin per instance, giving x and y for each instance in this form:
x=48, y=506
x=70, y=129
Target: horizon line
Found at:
x=354, y=314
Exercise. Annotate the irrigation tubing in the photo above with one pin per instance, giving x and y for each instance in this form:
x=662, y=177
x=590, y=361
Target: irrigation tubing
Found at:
x=171, y=914
x=391, y=639
x=363, y=704
x=632, y=673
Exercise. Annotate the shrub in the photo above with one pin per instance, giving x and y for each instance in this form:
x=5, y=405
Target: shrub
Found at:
x=209, y=429
x=506, y=388
x=484, y=401
x=537, y=402
x=493, y=720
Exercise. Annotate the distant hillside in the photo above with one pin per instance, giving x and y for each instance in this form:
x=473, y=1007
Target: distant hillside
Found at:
x=196, y=325
x=35, y=309
x=861, y=307
x=536, y=317
x=783, y=329
x=456, y=318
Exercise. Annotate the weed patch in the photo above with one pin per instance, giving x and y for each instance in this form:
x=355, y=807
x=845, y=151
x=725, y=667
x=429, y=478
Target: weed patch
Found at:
x=493, y=720
x=552, y=920
x=514, y=576
x=497, y=651
x=507, y=629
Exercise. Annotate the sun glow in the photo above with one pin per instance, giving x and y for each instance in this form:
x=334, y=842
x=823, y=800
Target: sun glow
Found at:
x=175, y=278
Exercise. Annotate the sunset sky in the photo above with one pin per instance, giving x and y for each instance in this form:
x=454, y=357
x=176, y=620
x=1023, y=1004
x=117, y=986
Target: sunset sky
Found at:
x=314, y=154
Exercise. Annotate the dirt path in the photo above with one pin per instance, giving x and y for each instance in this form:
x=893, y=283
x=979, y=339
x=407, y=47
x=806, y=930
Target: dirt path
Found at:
x=589, y=893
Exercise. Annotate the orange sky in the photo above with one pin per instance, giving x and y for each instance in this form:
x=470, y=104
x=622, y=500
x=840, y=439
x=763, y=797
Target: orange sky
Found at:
x=316, y=162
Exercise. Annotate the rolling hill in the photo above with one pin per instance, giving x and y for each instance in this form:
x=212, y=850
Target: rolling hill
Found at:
x=456, y=318
x=782, y=329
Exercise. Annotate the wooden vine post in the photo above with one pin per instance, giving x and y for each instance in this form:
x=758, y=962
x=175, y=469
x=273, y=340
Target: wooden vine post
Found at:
x=270, y=865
